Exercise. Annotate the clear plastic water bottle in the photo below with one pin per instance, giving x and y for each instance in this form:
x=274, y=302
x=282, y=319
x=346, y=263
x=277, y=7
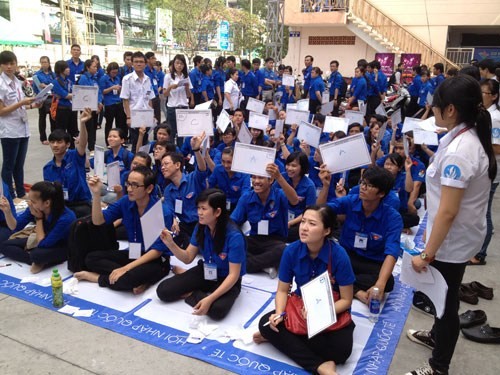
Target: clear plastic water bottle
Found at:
x=374, y=305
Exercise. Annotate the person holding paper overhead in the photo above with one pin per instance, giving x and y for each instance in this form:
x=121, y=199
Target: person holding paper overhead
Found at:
x=48, y=243
x=88, y=78
x=42, y=78
x=316, y=90
x=180, y=195
x=231, y=92
x=266, y=209
x=214, y=283
x=302, y=261
x=371, y=232
x=137, y=93
x=68, y=167
x=458, y=183
x=233, y=184
x=137, y=268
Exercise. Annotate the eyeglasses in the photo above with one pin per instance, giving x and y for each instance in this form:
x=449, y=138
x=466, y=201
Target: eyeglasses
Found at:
x=133, y=185
x=365, y=184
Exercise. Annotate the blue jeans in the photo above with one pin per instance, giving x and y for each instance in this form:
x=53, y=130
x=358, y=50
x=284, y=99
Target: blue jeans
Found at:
x=489, y=224
x=14, y=153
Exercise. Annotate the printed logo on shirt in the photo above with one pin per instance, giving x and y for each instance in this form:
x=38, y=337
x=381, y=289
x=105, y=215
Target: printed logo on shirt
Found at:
x=452, y=171
x=272, y=214
x=376, y=236
x=223, y=256
x=421, y=173
x=190, y=195
x=495, y=132
x=235, y=188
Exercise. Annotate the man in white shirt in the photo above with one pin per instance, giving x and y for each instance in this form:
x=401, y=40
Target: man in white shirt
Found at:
x=137, y=93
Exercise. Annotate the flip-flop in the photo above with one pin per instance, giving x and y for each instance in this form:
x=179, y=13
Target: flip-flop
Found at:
x=480, y=262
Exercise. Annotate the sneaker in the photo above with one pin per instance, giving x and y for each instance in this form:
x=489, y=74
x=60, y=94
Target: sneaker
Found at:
x=271, y=271
x=421, y=337
x=424, y=370
x=423, y=304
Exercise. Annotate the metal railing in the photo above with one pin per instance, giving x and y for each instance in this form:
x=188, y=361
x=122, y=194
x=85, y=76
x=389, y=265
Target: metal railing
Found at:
x=460, y=56
x=308, y=6
x=391, y=34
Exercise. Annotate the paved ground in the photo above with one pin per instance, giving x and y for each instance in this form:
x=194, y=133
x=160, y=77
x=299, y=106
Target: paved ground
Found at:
x=34, y=340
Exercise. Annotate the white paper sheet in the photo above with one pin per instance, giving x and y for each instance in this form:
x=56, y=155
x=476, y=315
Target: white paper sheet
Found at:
x=99, y=162
x=223, y=121
x=244, y=135
x=381, y=133
x=255, y=105
x=309, y=133
x=152, y=223
x=354, y=116
x=325, y=97
x=327, y=108
x=258, y=121
x=272, y=114
x=68, y=309
x=406, y=145
x=142, y=118
x=290, y=106
x=192, y=122
x=421, y=136
x=334, y=124
x=410, y=124
x=429, y=98
x=288, y=80
x=1, y=187
x=252, y=159
x=380, y=110
x=183, y=82
x=428, y=124
x=145, y=148
x=362, y=107
x=319, y=304
x=346, y=153
x=203, y=106
x=396, y=117
x=84, y=97
x=303, y=105
x=278, y=129
x=42, y=95
x=431, y=283
x=295, y=116
x=113, y=172
x=84, y=313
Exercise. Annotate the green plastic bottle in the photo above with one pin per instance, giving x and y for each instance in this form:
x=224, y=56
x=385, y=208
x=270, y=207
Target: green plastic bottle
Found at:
x=57, y=289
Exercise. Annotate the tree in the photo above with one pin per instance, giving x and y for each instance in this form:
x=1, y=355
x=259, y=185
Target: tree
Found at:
x=247, y=32
x=195, y=22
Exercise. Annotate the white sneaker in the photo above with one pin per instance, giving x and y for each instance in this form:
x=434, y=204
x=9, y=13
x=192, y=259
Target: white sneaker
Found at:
x=271, y=271
x=424, y=370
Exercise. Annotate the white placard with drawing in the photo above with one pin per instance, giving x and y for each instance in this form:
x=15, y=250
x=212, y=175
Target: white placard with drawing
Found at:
x=84, y=97
x=294, y=116
x=42, y=95
x=334, y=124
x=355, y=117
x=327, y=108
x=203, y=106
x=258, y=121
x=410, y=124
x=255, y=105
x=309, y=133
x=303, y=105
x=252, y=159
x=191, y=122
x=288, y=80
x=421, y=136
x=113, y=172
x=140, y=118
x=290, y=106
x=319, y=304
x=345, y=154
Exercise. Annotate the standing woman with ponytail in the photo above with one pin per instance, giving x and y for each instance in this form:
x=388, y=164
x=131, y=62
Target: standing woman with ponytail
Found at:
x=48, y=243
x=458, y=182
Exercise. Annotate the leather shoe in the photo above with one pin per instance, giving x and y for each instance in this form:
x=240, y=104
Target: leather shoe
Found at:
x=466, y=294
x=481, y=290
x=472, y=318
x=483, y=334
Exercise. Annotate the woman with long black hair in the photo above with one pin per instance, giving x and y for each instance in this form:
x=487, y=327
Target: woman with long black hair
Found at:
x=458, y=182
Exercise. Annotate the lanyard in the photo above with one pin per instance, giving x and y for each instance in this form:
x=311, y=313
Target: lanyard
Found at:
x=466, y=129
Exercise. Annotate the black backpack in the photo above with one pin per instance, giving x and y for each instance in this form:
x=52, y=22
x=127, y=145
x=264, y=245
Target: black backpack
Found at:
x=343, y=89
x=85, y=237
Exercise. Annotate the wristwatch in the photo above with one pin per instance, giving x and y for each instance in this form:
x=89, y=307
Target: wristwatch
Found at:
x=425, y=256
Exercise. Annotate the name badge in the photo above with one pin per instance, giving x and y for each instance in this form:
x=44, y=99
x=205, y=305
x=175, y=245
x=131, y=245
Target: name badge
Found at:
x=228, y=205
x=243, y=86
x=291, y=215
x=263, y=227
x=361, y=241
x=115, y=92
x=155, y=82
x=65, y=194
x=178, y=206
x=134, y=250
x=210, y=271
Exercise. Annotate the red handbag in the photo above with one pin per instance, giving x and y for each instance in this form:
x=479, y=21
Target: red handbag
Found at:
x=294, y=320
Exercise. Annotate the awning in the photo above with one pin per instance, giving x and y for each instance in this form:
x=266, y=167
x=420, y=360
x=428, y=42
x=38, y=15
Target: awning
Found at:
x=12, y=36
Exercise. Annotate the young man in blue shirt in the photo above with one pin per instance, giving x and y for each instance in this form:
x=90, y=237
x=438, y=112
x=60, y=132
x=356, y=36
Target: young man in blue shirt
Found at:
x=438, y=71
x=425, y=89
x=258, y=74
x=371, y=232
x=75, y=64
x=152, y=73
x=269, y=80
x=306, y=72
x=335, y=83
x=68, y=167
x=138, y=268
x=180, y=195
x=249, y=85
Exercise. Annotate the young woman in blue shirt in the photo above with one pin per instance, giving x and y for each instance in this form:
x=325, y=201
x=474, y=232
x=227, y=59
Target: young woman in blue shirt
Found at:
x=52, y=223
x=66, y=119
x=316, y=90
x=301, y=262
x=215, y=282
x=110, y=85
